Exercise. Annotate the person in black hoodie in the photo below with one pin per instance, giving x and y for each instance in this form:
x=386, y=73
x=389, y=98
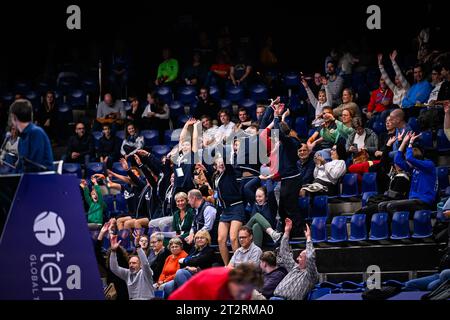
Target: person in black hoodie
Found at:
x=80, y=148
x=201, y=257
x=109, y=147
x=272, y=273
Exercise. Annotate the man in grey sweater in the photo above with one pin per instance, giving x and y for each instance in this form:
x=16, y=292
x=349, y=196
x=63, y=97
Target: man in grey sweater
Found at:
x=138, y=277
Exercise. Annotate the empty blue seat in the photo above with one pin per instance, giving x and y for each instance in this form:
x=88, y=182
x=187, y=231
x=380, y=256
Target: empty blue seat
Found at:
x=443, y=145
x=379, y=229
x=303, y=204
x=259, y=93
x=301, y=127
x=125, y=239
x=442, y=174
x=65, y=114
x=226, y=104
x=338, y=229
x=120, y=134
x=350, y=185
x=235, y=93
x=34, y=98
x=117, y=168
x=90, y=85
x=369, y=182
x=414, y=124
x=77, y=98
x=358, y=230
x=21, y=87
x=319, y=229
x=151, y=137
x=176, y=108
x=72, y=169
x=426, y=140
x=181, y=121
x=94, y=168
x=379, y=127
x=7, y=99
x=164, y=93
x=291, y=79
x=366, y=196
x=187, y=95
x=320, y=207
x=42, y=87
x=160, y=150
x=97, y=136
x=214, y=92
x=318, y=293
x=422, y=224
x=400, y=225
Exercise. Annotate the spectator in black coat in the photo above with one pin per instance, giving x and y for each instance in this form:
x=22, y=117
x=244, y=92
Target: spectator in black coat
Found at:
x=109, y=147
x=80, y=148
x=272, y=273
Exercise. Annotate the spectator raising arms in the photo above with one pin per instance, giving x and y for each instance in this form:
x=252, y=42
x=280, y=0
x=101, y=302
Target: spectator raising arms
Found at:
x=401, y=85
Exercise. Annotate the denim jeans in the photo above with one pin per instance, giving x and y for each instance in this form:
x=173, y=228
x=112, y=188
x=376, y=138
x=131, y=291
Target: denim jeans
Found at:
x=181, y=277
x=428, y=283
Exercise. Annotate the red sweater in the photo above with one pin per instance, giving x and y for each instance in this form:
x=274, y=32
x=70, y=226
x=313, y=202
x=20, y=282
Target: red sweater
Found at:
x=376, y=99
x=209, y=284
x=171, y=267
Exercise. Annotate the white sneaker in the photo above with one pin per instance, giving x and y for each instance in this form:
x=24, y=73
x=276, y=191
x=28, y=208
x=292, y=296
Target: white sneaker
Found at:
x=275, y=235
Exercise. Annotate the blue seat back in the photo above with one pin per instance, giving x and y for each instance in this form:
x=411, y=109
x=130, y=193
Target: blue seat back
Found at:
x=339, y=229
x=319, y=229
x=369, y=182
x=320, y=206
x=350, y=185
x=400, y=225
x=358, y=231
x=379, y=228
x=422, y=224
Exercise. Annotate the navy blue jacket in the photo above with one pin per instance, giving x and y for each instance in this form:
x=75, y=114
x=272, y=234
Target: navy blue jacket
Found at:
x=306, y=170
x=228, y=188
x=34, y=145
x=287, y=153
x=265, y=211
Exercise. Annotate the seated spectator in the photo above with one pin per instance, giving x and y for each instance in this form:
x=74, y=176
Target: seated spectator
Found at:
x=306, y=164
x=9, y=152
x=95, y=202
x=110, y=111
x=156, y=115
x=335, y=82
x=248, y=252
x=384, y=137
x=361, y=140
x=444, y=92
x=430, y=118
x=46, y=116
x=397, y=117
x=195, y=73
x=324, y=99
x=268, y=61
x=208, y=132
x=183, y=216
x=271, y=272
x=401, y=85
x=139, y=275
x=108, y=147
x=80, y=148
x=380, y=100
x=423, y=190
x=135, y=112
x=167, y=70
x=419, y=92
x=158, y=254
x=240, y=70
x=141, y=241
x=347, y=104
x=303, y=275
x=133, y=141
x=260, y=109
x=221, y=284
x=226, y=130
x=172, y=265
x=244, y=120
x=205, y=215
x=428, y=283
x=219, y=72
x=327, y=174
x=262, y=219
x=201, y=257
x=346, y=62
x=447, y=120
x=436, y=81
x=206, y=105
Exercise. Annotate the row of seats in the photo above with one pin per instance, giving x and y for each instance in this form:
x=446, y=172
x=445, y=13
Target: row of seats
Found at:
x=379, y=229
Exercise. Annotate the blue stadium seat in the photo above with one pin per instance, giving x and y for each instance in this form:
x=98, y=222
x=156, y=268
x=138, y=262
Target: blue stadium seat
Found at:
x=291, y=79
x=7, y=99
x=319, y=229
x=259, y=93
x=176, y=108
x=250, y=106
x=426, y=140
x=90, y=86
x=172, y=137
x=181, y=121
x=400, y=225
x=303, y=203
x=442, y=174
x=318, y=293
x=379, y=228
x=59, y=97
x=235, y=93
x=151, y=137
x=366, y=196
x=120, y=134
x=125, y=239
x=350, y=185
x=369, y=182
x=379, y=127
x=65, y=114
x=226, y=104
x=414, y=124
x=72, y=169
x=338, y=229
x=22, y=87
x=160, y=150
x=34, y=98
x=358, y=230
x=214, y=92
x=94, y=168
x=165, y=94
x=301, y=126
x=67, y=85
x=97, y=136
x=42, y=87
x=117, y=168
x=443, y=145
x=320, y=207
x=77, y=98
x=187, y=95
x=422, y=224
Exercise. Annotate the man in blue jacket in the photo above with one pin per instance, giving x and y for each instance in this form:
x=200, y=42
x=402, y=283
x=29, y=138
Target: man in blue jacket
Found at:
x=422, y=194
x=420, y=90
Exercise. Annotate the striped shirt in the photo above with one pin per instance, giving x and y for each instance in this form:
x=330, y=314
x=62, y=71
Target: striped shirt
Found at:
x=298, y=282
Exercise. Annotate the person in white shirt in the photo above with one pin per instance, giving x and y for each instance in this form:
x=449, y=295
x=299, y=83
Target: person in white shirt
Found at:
x=226, y=130
x=401, y=86
x=436, y=81
x=324, y=99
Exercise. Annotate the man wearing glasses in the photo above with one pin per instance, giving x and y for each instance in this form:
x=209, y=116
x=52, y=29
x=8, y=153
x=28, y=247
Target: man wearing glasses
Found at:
x=248, y=251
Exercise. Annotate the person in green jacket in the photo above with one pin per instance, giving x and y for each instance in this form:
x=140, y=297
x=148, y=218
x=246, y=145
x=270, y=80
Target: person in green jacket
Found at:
x=183, y=217
x=167, y=70
x=96, y=204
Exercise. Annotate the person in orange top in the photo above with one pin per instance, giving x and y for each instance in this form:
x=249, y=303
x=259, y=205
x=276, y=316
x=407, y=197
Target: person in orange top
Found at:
x=171, y=266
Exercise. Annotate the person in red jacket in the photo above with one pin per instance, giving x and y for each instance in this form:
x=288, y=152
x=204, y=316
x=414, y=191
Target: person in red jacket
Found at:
x=221, y=283
x=380, y=99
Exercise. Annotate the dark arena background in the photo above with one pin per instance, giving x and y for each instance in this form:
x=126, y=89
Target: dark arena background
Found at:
x=115, y=87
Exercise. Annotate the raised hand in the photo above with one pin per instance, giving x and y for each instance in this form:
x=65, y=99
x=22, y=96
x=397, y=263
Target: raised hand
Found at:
x=274, y=102
x=287, y=226
x=324, y=80
x=286, y=114
x=391, y=141
x=307, y=233
x=138, y=160
x=105, y=227
x=191, y=121
x=401, y=135
x=83, y=183
x=380, y=59
x=304, y=83
x=142, y=153
x=393, y=55
x=114, y=243
x=414, y=137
